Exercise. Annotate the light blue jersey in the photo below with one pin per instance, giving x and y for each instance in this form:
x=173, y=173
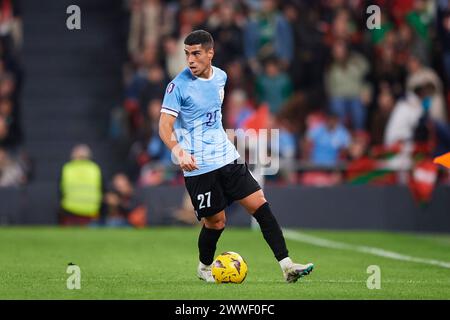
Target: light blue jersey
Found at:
x=197, y=104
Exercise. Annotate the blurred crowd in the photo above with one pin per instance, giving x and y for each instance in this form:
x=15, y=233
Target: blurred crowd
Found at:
x=14, y=166
x=352, y=103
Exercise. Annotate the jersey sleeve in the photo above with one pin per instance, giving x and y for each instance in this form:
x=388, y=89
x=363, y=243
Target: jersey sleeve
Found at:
x=172, y=100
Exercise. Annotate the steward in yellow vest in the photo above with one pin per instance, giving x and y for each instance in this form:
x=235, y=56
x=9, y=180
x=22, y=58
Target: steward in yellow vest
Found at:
x=81, y=186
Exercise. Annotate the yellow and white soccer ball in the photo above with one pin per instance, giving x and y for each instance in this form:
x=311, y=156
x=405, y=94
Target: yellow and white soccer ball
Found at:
x=229, y=267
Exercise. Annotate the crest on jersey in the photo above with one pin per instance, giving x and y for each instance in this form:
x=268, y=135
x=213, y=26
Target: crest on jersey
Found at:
x=221, y=94
x=170, y=87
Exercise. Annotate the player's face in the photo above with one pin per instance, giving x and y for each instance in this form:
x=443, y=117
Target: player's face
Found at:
x=198, y=59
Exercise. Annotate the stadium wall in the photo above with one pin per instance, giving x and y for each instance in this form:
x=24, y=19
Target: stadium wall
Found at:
x=341, y=207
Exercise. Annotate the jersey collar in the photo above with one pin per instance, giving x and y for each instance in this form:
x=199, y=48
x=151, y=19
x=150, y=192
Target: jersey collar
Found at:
x=203, y=79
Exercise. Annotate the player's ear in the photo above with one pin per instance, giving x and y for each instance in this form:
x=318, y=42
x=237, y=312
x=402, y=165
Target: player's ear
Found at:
x=210, y=52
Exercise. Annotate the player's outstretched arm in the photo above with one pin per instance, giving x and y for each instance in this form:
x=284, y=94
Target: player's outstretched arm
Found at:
x=166, y=132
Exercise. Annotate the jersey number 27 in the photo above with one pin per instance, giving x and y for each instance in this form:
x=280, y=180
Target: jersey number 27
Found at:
x=201, y=198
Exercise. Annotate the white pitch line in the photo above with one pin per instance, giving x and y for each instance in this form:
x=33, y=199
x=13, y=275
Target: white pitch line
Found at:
x=298, y=236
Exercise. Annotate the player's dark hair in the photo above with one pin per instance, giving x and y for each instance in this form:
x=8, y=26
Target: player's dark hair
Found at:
x=201, y=37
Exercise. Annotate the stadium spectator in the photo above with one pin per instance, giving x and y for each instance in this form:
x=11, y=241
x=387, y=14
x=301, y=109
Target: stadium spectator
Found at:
x=379, y=36
x=174, y=55
x=420, y=18
x=8, y=114
x=297, y=109
x=346, y=86
x=15, y=166
x=11, y=173
x=6, y=109
x=123, y=207
x=286, y=147
x=419, y=74
x=388, y=65
x=325, y=141
x=342, y=28
x=274, y=86
x=227, y=35
x=8, y=137
x=80, y=188
x=149, y=148
x=145, y=86
x=309, y=48
x=145, y=24
x=153, y=87
x=185, y=213
x=9, y=107
x=407, y=112
x=7, y=86
x=4, y=132
x=443, y=28
x=155, y=147
x=384, y=106
x=239, y=78
x=267, y=34
x=238, y=109
x=11, y=35
x=154, y=174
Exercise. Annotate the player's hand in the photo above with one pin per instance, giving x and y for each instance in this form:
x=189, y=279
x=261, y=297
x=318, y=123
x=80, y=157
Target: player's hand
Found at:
x=186, y=160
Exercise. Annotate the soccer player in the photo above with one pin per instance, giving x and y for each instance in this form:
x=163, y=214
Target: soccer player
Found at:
x=215, y=176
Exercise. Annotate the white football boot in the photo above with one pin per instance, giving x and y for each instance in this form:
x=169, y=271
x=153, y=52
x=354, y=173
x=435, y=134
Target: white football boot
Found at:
x=294, y=271
x=204, y=273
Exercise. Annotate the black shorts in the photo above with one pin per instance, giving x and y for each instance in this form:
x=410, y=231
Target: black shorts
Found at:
x=213, y=191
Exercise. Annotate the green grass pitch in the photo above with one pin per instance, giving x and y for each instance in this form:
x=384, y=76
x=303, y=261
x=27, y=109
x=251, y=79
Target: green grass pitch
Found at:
x=160, y=263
